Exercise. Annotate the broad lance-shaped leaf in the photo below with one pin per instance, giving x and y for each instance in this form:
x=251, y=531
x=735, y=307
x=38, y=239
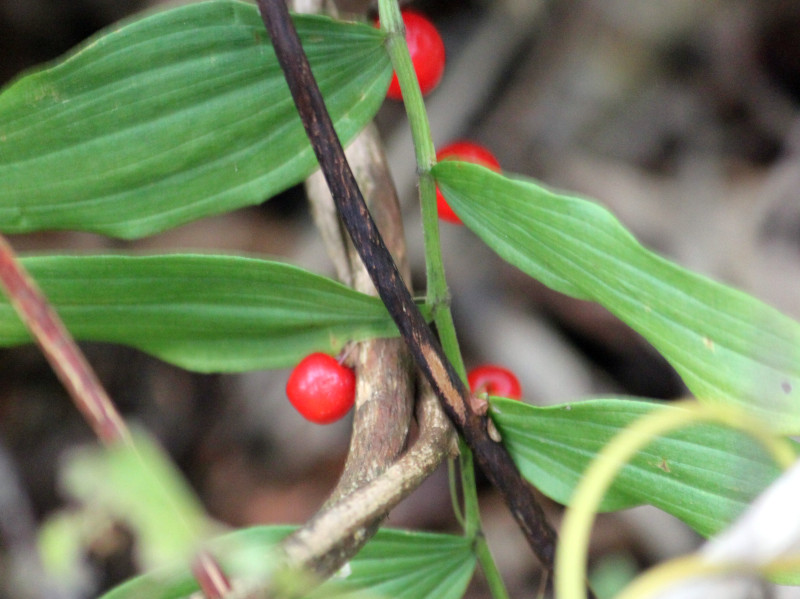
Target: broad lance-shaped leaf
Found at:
x=726, y=345
x=180, y=115
x=705, y=474
x=395, y=564
x=204, y=313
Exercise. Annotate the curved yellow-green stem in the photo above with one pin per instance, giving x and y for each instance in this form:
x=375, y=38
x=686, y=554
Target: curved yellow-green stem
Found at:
x=694, y=566
x=570, y=570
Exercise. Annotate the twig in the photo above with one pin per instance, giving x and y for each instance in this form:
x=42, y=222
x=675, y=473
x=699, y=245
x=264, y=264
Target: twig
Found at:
x=77, y=376
x=385, y=388
x=385, y=391
x=60, y=349
x=319, y=546
x=318, y=541
x=492, y=457
x=209, y=575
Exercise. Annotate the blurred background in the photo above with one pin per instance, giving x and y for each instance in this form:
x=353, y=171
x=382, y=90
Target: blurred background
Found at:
x=682, y=117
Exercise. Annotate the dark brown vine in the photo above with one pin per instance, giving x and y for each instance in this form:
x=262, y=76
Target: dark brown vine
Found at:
x=491, y=456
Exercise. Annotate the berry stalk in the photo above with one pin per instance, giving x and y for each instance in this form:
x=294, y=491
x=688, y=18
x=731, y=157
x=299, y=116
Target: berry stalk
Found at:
x=438, y=295
x=425, y=153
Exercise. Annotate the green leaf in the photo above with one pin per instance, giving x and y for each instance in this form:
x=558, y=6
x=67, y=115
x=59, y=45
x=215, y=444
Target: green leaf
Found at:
x=204, y=313
x=726, y=345
x=177, y=116
x=395, y=564
x=139, y=485
x=706, y=475
x=407, y=565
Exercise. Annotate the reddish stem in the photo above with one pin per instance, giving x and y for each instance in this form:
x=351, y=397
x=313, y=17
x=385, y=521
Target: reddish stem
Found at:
x=81, y=382
x=210, y=577
x=60, y=349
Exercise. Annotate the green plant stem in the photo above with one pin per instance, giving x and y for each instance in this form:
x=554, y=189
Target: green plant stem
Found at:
x=493, y=578
x=452, y=475
x=425, y=153
x=438, y=297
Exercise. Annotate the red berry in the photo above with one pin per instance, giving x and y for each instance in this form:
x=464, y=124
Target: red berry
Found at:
x=321, y=389
x=468, y=152
x=427, y=54
x=494, y=380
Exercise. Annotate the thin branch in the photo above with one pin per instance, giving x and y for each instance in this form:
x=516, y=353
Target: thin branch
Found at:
x=317, y=546
x=78, y=377
x=385, y=390
x=60, y=349
x=209, y=576
x=491, y=456
x=373, y=500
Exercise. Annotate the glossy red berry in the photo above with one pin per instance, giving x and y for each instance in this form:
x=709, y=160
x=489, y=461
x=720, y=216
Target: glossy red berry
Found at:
x=468, y=152
x=427, y=54
x=321, y=389
x=494, y=380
